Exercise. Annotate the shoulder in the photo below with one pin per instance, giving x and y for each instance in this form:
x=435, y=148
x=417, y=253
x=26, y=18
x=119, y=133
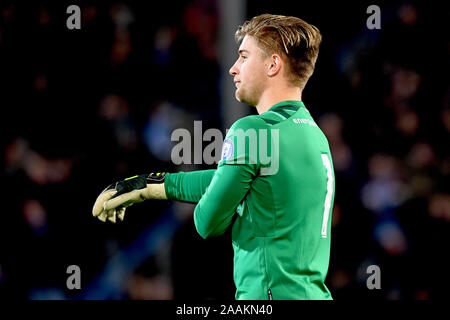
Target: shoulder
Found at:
x=242, y=141
x=249, y=122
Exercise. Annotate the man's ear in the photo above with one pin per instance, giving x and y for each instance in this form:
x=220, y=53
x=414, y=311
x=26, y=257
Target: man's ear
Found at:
x=275, y=64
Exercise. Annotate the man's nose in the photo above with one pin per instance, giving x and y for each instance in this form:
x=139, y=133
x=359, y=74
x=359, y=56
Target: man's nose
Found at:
x=233, y=70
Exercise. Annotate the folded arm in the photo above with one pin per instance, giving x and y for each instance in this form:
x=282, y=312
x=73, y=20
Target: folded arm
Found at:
x=214, y=212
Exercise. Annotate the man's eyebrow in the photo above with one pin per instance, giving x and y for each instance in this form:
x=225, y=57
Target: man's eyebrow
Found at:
x=242, y=51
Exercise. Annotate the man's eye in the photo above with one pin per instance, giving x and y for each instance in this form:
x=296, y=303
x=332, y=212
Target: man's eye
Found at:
x=244, y=57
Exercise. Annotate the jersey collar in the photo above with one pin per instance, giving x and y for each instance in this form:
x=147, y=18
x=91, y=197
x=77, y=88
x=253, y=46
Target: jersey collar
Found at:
x=297, y=103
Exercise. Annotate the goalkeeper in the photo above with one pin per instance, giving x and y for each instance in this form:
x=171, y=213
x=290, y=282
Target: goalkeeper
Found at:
x=279, y=210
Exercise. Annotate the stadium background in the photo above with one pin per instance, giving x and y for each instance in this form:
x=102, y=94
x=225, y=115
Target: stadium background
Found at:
x=83, y=108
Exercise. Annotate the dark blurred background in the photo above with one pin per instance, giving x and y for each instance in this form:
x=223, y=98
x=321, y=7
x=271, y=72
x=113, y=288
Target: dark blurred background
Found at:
x=81, y=109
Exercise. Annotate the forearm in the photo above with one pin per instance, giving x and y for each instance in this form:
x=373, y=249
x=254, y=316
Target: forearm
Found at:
x=214, y=212
x=188, y=186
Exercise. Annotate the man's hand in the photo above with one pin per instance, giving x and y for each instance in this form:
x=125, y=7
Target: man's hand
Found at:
x=113, y=201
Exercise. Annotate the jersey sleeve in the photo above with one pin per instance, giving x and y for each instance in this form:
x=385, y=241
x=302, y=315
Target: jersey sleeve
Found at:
x=230, y=183
x=188, y=186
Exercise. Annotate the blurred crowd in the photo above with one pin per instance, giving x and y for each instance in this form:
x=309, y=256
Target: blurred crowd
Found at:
x=83, y=108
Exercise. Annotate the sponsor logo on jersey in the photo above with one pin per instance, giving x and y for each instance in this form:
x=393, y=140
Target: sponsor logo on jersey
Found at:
x=304, y=121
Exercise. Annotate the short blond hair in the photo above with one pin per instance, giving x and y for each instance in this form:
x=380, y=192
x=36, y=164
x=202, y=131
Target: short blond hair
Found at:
x=292, y=38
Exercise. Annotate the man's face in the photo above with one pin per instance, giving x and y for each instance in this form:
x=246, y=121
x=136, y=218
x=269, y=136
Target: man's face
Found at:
x=249, y=72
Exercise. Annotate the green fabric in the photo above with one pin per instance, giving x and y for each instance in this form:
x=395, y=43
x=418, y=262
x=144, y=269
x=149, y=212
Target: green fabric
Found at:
x=187, y=186
x=281, y=236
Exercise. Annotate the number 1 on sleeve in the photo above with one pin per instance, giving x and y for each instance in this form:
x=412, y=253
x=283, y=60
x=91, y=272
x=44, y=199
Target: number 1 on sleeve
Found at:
x=329, y=196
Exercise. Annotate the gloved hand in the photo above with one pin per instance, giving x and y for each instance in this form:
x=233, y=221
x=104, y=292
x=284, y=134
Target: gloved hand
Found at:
x=113, y=201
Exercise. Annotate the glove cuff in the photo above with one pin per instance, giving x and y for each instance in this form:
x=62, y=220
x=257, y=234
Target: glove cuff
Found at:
x=155, y=191
x=153, y=178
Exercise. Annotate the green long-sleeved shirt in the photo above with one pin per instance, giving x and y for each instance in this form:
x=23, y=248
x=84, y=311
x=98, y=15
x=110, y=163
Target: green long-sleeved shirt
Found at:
x=281, y=235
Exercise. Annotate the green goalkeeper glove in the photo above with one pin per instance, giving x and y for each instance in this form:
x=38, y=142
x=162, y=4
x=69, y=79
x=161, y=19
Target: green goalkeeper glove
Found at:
x=113, y=201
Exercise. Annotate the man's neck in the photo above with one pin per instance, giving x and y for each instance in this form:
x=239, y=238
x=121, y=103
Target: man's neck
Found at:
x=270, y=98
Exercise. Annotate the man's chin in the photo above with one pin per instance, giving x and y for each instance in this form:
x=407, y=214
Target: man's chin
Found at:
x=238, y=96
x=242, y=99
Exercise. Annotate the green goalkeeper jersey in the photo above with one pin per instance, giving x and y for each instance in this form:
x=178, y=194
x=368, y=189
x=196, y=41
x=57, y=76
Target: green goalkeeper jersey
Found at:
x=275, y=185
